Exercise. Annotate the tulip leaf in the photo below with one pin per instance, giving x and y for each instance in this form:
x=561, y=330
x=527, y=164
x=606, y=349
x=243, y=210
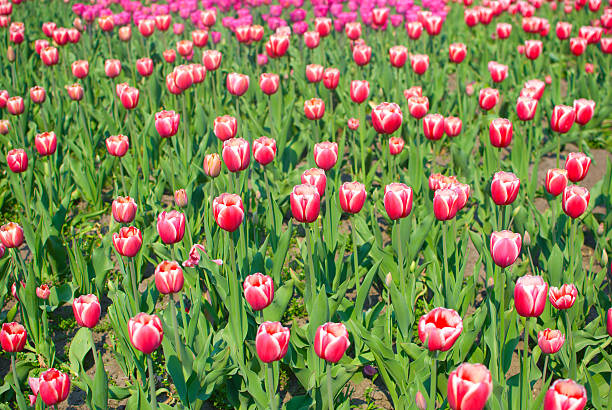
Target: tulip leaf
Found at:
x=100, y=386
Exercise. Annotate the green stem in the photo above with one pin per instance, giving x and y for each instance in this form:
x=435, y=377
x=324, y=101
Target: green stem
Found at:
x=310, y=281
x=574, y=255
x=271, y=389
x=330, y=393
x=570, y=339
x=186, y=147
x=544, y=371
x=432, y=382
x=152, y=383
x=177, y=340
x=525, y=382
x=362, y=130
x=15, y=378
x=355, y=256
x=502, y=307
x=445, y=256
x=558, y=149
x=134, y=283
x=93, y=348
x=400, y=258
x=25, y=203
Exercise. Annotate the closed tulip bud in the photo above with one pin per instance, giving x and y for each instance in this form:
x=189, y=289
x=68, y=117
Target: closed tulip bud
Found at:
x=13, y=337
x=162, y=22
x=359, y=91
x=4, y=97
x=129, y=97
x=500, y=132
x=75, y=91
x=469, y=387
x=106, y=23
x=46, y=143
x=326, y=154
x=526, y=108
x=5, y=127
x=305, y=203
x=167, y=123
x=505, y=247
x=331, y=341
x=171, y=226
x=414, y=29
x=43, y=292
x=457, y=52
x=211, y=59
x=440, y=328
x=86, y=309
x=228, y=211
x=258, y=291
x=314, y=73
x=331, y=77
x=418, y=106
x=584, y=110
x=398, y=200
x=609, y=322
x=237, y=84
x=112, y=68
x=419, y=63
x=269, y=83
x=264, y=150
x=504, y=187
x=323, y=26
x=236, y=155
x=314, y=109
x=362, y=54
x=445, y=204
x=530, y=295
x=15, y=106
x=209, y=17
x=396, y=145
x=433, y=126
x=169, y=277
x=49, y=56
x=124, y=209
x=499, y=72
x=562, y=118
x=225, y=127
x=352, y=197
x=452, y=126
x=11, y=235
x=315, y=177
x=550, y=341
x=272, y=341
x=212, y=165
x=74, y=35
x=146, y=332
x=38, y=94
x=125, y=33
x=556, y=181
x=563, y=297
x=433, y=24
x=420, y=401
x=17, y=160
x=128, y=241
x=53, y=387
x=488, y=98
x=503, y=30
x=575, y=200
x=386, y=118
x=169, y=56
x=565, y=394
x=80, y=68
x=39, y=45
x=398, y=56
x=577, y=166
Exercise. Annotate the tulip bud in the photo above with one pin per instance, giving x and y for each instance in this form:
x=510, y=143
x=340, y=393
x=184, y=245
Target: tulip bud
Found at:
x=352, y=123
x=11, y=235
x=550, y=341
x=530, y=295
x=604, y=258
x=10, y=54
x=565, y=394
x=488, y=98
x=562, y=118
x=433, y=126
x=169, y=277
x=469, y=387
x=359, y=91
x=527, y=239
x=228, y=211
x=212, y=165
x=352, y=197
x=117, y=145
x=146, y=332
x=420, y=401
x=86, y=309
x=505, y=247
x=331, y=341
x=440, y=328
x=272, y=341
x=315, y=177
x=386, y=118
x=264, y=150
x=171, y=226
x=13, y=337
x=398, y=200
x=326, y=154
x=258, y=291
x=305, y=203
x=5, y=127
x=236, y=154
x=396, y=145
x=314, y=109
x=269, y=83
x=46, y=143
x=167, y=123
x=17, y=160
x=418, y=106
x=575, y=200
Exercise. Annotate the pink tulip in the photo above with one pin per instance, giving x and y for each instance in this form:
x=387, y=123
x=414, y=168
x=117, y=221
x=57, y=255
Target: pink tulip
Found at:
x=272, y=341
x=469, y=387
x=331, y=341
x=565, y=394
x=386, y=118
x=258, y=291
x=530, y=295
x=440, y=328
x=124, y=209
x=128, y=241
x=305, y=203
x=54, y=386
x=505, y=247
x=236, y=154
x=13, y=337
x=86, y=309
x=146, y=332
x=504, y=187
x=445, y=204
x=550, y=341
x=225, y=127
x=169, y=277
x=352, y=197
x=563, y=297
x=575, y=200
x=398, y=200
x=46, y=143
x=43, y=291
x=228, y=211
x=167, y=123
x=316, y=177
x=11, y=235
x=556, y=181
x=171, y=226
x=326, y=154
x=577, y=166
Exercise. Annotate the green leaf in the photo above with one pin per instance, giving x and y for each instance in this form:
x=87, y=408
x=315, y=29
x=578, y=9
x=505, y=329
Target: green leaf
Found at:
x=100, y=386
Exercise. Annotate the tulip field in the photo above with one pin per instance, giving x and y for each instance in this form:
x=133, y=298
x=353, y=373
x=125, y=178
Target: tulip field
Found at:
x=306, y=204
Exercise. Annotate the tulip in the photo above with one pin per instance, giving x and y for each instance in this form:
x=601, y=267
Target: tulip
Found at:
x=556, y=181
x=463, y=194
x=243, y=34
x=38, y=94
x=272, y=341
x=11, y=235
x=386, y=118
x=577, y=45
x=563, y=297
x=359, y=91
x=498, y=71
x=17, y=160
x=258, y=291
x=504, y=187
x=440, y=328
x=169, y=277
x=362, y=54
x=46, y=143
x=563, y=30
x=433, y=126
x=315, y=177
x=171, y=226
x=550, y=341
x=237, y=84
x=530, y=295
x=80, y=68
x=269, y=83
x=419, y=63
x=457, y=52
x=117, y=145
x=178, y=28
x=488, y=98
x=49, y=56
x=264, y=150
x=500, y=132
x=129, y=97
x=398, y=200
x=169, y=56
x=577, y=166
x=565, y=394
x=106, y=23
x=609, y=322
x=584, y=110
x=575, y=200
x=414, y=29
x=48, y=28
x=15, y=106
x=228, y=211
x=144, y=66
x=86, y=309
x=74, y=35
x=326, y=154
x=225, y=127
x=4, y=97
x=352, y=197
x=13, y=337
x=212, y=165
x=418, y=106
x=184, y=48
x=54, y=386
x=533, y=49
x=236, y=155
x=331, y=341
x=128, y=241
x=536, y=85
x=396, y=145
x=503, y=30
x=331, y=77
x=505, y=248
x=526, y=108
x=43, y=292
x=398, y=56
x=277, y=45
x=445, y=204
x=146, y=332
x=211, y=59
x=256, y=33
x=112, y=68
x=314, y=73
x=75, y=91
x=452, y=126
x=5, y=127
x=166, y=123
x=314, y=109
x=305, y=203
x=469, y=387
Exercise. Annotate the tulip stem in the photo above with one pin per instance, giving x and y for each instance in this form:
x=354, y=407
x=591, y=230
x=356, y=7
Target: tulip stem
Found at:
x=362, y=131
x=134, y=284
x=571, y=346
x=432, y=381
x=25, y=203
x=330, y=391
x=15, y=379
x=186, y=146
x=270, y=388
x=525, y=382
x=177, y=340
x=544, y=372
x=445, y=257
x=502, y=308
x=355, y=256
x=93, y=349
x=558, y=149
x=152, y=382
x=572, y=249
x=400, y=257
x=310, y=281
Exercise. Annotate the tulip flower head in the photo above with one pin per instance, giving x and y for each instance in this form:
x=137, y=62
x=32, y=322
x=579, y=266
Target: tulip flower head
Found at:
x=146, y=332
x=258, y=291
x=13, y=337
x=331, y=341
x=440, y=328
x=228, y=211
x=272, y=341
x=563, y=297
x=169, y=277
x=550, y=341
x=505, y=247
x=565, y=394
x=469, y=387
x=86, y=309
x=530, y=295
x=53, y=386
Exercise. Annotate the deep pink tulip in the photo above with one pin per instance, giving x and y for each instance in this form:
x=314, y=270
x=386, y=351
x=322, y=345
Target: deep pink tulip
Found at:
x=419, y=63
x=498, y=71
x=440, y=328
x=556, y=181
x=144, y=66
x=562, y=118
x=225, y=127
x=362, y=54
x=124, y=209
x=17, y=160
x=457, y=52
x=398, y=200
x=13, y=337
x=396, y=145
x=171, y=226
x=312, y=39
x=169, y=277
x=565, y=394
x=211, y=59
x=314, y=73
x=352, y=197
x=533, y=49
x=272, y=341
x=315, y=177
x=258, y=291
x=43, y=291
x=305, y=203
x=38, y=94
x=128, y=241
x=445, y=204
x=314, y=109
x=117, y=145
x=326, y=154
x=503, y=30
x=563, y=297
x=504, y=187
x=584, y=110
x=386, y=118
x=500, y=132
x=228, y=211
x=236, y=154
x=505, y=247
x=577, y=166
x=575, y=200
x=359, y=91
x=86, y=309
x=433, y=126
x=530, y=295
x=331, y=77
x=11, y=235
x=146, y=332
x=609, y=322
x=469, y=387
x=277, y=45
x=269, y=83
x=237, y=84
x=264, y=150
x=550, y=341
x=418, y=106
x=398, y=56
x=488, y=98
x=167, y=123
x=54, y=386
x=331, y=341
x=526, y=108
x=129, y=98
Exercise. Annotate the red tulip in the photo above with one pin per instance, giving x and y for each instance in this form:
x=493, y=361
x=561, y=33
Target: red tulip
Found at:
x=13, y=337
x=43, y=292
x=396, y=145
x=11, y=235
x=269, y=83
x=237, y=84
x=380, y=16
x=166, y=123
x=419, y=63
x=505, y=247
x=272, y=341
x=418, y=106
x=331, y=77
x=46, y=143
x=565, y=394
x=17, y=160
x=54, y=386
x=398, y=56
x=211, y=59
x=75, y=91
x=199, y=37
x=117, y=145
x=556, y=181
x=577, y=166
x=315, y=177
x=440, y=328
x=452, y=126
x=530, y=295
x=184, y=48
x=236, y=154
x=124, y=209
x=433, y=24
x=550, y=341
x=469, y=387
x=15, y=106
x=277, y=45
x=128, y=241
x=169, y=277
x=314, y=73
x=146, y=332
x=48, y=28
x=129, y=97
x=212, y=165
x=171, y=226
x=488, y=98
x=504, y=187
x=503, y=30
x=533, y=49
x=162, y=22
x=498, y=71
x=326, y=154
x=457, y=52
x=323, y=26
x=414, y=29
x=526, y=108
x=445, y=204
x=258, y=291
x=575, y=200
x=225, y=127
x=86, y=309
x=398, y=200
x=500, y=132
x=433, y=126
x=331, y=341
x=584, y=110
x=228, y=211
x=305, y=203
x=112, y=68
x=314, y=109
x=264, y=150
x=352, y=197
x=386, y=118
x=577, y=45
x=563, y=297
x=563, y=30
x=360, y=90
x=311, y=39
x=106, y=23
x=470, y=16
x=125, y=33
x=169, y=56
x=362, y=54
x=144, y=66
